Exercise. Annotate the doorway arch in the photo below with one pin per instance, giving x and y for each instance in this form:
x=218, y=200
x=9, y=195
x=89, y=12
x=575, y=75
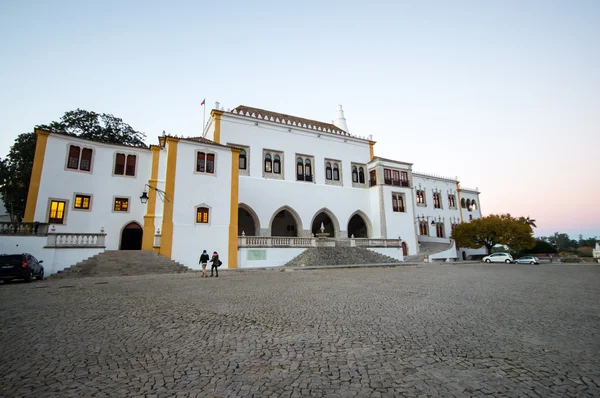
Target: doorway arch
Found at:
x=131, y=236
x=359, y=225
x=330, y=223
x=404, y=249
x=248, y=221
x=285, y=222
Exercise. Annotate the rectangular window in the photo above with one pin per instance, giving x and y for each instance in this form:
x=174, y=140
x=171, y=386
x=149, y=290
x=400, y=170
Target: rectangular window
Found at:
x=73, y=162
x=200, y=162
x=86, y=160
x=398, y=202
x=57, y=212
x=395, y=177
x=404, y=179
x=121, y=204
x=120, y=164
x=387, y=176
x=372, y=177
x=82, y=202
x=210, y=163
x=130, y=171
x=202, y=215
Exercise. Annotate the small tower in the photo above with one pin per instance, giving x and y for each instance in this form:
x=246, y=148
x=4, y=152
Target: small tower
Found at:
x=340, y=120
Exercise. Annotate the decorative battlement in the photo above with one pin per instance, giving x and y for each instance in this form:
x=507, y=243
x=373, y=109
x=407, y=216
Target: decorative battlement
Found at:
x=470, y=189
x=436, y=176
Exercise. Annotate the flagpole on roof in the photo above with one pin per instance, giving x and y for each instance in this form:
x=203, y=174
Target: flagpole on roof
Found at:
x=203, y=104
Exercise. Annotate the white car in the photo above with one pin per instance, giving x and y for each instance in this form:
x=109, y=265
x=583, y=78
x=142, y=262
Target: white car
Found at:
x=498, y=258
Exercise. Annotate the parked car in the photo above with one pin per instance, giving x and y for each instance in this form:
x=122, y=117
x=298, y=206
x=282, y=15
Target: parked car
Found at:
x=498, y=258
x=527, y=260
x=20, y=266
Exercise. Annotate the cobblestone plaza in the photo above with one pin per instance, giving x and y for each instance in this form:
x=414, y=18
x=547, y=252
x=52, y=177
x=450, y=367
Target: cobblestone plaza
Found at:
x=421, y=331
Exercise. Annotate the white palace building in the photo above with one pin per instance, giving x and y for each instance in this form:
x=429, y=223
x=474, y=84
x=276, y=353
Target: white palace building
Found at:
x=258, y=187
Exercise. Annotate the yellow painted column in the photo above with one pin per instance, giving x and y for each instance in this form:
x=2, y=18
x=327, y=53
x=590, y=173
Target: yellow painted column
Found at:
x=372, y=149
x=233, y=215
x=216, y=114
x=166, y=243
x=36, y=175
x=148, y=237
x=459, y=204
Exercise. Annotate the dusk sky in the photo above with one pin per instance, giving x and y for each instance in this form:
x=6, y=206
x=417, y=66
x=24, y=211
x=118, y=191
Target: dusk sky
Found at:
x=503, y=94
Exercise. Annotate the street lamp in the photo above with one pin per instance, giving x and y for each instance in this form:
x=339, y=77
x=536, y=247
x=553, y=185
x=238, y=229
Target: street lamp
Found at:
x=161, y=194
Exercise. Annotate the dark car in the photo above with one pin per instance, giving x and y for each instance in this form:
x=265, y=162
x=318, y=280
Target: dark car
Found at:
x=20, y=266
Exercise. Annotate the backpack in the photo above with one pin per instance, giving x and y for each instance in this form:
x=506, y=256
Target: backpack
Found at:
x=220, y=263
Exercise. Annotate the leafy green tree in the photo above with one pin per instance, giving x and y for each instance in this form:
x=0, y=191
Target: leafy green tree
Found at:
x=15, y=169
x=495, y=229
x=541, y=247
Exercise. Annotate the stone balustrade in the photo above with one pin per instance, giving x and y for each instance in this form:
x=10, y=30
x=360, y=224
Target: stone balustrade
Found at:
x=23, y=228
x=76, y=240
x=284, y=241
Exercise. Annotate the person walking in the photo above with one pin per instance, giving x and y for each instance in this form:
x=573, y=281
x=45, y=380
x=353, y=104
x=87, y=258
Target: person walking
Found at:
x=203, y=261
x=215, y=264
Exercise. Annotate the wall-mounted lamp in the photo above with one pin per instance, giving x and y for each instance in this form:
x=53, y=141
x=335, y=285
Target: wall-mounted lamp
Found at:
x=161, y=194
x=162, y=140
x=318, y=135
x=256, y=123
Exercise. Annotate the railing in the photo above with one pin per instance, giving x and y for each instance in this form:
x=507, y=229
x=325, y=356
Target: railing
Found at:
x=23, y=228
x=76, y=240
x=283, y=242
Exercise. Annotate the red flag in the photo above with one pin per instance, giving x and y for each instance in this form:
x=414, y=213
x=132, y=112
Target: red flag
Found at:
x=202, y=103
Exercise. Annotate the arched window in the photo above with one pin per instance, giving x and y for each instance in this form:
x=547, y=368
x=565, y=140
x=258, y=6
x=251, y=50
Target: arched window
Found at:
x=361, y=175
x=277, y=164
x=474, y=204
x=328, y=171
x=268, y=164
x=336, y=172
x=243, y=159
x=300, y=169
x=120, y=164
x=463, y=204
x=469, y=204
x=202, y=215
x=307, y=170
x=354, y=174
x=130, y=170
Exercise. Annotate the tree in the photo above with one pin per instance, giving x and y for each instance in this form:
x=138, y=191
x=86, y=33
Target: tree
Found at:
x=541, y=247
x=528, y=221
x=15, y=169
x=495, y=229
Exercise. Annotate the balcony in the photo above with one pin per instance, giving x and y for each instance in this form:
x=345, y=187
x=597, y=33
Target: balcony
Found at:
x=23, y=228
x=297, y=242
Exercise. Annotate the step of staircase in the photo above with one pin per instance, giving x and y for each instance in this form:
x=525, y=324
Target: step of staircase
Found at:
x=122, y=262
x=339, y=256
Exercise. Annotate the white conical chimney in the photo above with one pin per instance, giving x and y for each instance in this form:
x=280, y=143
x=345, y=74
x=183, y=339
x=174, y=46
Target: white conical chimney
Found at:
x=340, y=120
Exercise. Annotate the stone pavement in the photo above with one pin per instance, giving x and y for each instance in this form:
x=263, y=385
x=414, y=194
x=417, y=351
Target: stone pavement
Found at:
x=426, y=331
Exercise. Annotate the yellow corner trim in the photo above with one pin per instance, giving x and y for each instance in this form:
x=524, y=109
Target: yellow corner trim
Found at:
x=167, y=225
x=372, y=149
x=36, y=174
x=148, y=234
x=217, y=116
x=233, y=215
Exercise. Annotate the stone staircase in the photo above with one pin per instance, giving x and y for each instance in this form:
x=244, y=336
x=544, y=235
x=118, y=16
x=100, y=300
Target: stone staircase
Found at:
x=427, y=249
x=339, y=256
x=122, y=262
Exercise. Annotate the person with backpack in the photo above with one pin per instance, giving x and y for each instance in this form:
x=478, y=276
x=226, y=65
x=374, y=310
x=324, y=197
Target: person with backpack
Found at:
x=203, y=261
x=216, y=263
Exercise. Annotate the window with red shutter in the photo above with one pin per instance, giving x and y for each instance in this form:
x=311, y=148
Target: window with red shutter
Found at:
x=73, y=162
x=119, y=164
x=130, y=171
x=86, y=160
